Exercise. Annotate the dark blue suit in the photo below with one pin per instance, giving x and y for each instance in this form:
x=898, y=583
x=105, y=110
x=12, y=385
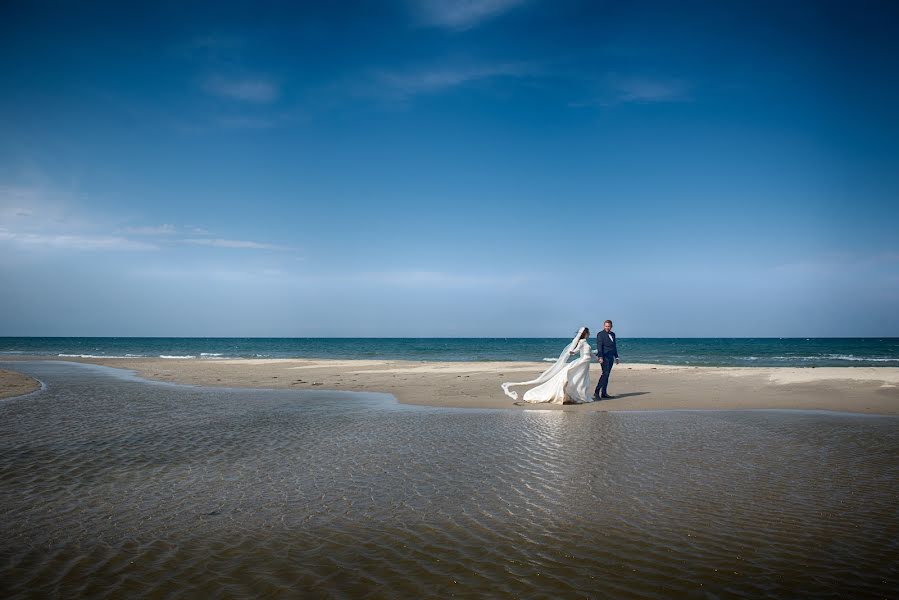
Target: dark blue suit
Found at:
x=606, y=349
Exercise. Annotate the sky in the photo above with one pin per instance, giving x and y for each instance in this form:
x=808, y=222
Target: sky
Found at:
x=480, y=168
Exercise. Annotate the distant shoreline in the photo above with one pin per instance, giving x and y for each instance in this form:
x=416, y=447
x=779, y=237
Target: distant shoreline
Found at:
x=871, y=390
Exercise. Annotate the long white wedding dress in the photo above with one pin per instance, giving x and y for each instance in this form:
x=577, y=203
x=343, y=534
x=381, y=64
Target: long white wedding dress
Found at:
x=564, y=381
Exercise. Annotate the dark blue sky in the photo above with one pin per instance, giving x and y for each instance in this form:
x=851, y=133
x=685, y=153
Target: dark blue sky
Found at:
x=494, y=167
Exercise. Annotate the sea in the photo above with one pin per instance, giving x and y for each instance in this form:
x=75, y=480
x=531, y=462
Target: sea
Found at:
x=719, y=352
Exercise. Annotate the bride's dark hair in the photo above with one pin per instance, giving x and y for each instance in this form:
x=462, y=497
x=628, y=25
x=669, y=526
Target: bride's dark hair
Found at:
x=586, y=333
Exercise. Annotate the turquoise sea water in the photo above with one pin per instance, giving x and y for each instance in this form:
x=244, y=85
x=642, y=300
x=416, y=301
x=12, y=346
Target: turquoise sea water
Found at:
x=744, y=352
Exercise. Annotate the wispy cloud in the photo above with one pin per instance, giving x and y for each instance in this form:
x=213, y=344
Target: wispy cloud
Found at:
x=423, y=278
x=42, y=217
x=75, y=242
x=402, y=86
x=461, y=14
x=166, y=229
x=649, y=90
x=258, y=90
x=638, y=90
x=239, y=244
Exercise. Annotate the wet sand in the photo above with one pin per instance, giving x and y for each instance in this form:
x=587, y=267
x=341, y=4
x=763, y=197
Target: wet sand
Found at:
x=477, y=384
x=16, y=384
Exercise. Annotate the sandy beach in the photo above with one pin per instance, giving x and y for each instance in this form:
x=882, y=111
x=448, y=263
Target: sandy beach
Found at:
x=872, y=390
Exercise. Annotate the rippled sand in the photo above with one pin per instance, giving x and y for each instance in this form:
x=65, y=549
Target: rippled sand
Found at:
x=111, y=486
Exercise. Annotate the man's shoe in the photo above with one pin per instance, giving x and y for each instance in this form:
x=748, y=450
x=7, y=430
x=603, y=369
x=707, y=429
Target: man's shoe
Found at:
x=596, y=398
x=607, y=396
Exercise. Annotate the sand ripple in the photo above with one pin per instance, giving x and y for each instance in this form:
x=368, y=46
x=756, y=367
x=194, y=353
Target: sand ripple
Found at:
x=117, y=488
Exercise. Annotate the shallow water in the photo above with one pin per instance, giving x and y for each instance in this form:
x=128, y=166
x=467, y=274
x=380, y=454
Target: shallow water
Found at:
x=115, y=487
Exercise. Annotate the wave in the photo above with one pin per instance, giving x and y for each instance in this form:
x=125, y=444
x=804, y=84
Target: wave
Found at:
x=176, y=356
x=860, y=358
x=820, y=357
x=211, y=354
x=97, y=356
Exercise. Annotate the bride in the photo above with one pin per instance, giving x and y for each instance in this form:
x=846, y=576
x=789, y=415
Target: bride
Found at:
x=564, y=382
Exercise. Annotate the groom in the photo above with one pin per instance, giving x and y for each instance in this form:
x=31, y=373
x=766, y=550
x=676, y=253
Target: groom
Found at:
x=607, y=351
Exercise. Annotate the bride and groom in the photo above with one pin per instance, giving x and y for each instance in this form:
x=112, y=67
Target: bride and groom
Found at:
x=567, y=382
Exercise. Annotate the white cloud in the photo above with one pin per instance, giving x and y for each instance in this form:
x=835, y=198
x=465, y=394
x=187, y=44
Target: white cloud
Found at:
x=166, y=229
x=430, y=279
x=240, y=244
x=402, y=86
x=249, y=89
x=461, y=14
x=41, y=217
x=74, y=242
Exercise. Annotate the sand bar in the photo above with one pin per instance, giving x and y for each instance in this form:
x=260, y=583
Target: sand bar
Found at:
x=13, y=384
x=872, y=390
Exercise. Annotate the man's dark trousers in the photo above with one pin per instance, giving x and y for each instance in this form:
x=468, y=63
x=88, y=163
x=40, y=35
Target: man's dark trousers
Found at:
x=608, y=359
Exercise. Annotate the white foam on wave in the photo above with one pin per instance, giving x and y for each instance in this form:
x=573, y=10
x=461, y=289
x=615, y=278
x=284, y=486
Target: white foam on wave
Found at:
x=847, y=357
x=96, y=356
x=174, y=356
x=211, y=354
x=860, y=358
x=549, y=359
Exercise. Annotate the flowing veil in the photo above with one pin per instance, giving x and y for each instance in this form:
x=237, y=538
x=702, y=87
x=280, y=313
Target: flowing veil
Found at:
x=550, y=372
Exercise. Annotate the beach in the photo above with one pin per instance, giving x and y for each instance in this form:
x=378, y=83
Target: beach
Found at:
x=872, y=390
